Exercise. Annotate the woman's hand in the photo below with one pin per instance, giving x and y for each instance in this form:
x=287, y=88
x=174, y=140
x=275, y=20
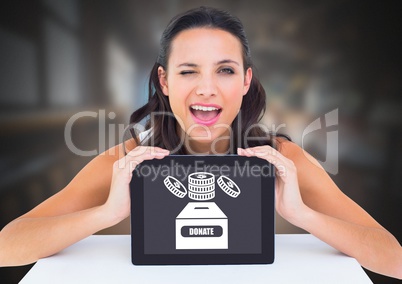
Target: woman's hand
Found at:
x=118, y=202
x=288, y=201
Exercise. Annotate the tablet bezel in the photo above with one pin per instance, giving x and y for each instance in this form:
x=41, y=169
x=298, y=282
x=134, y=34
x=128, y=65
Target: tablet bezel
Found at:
x=267, y=217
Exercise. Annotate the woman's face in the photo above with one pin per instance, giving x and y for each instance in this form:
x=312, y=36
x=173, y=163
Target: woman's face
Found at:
x=205, y=82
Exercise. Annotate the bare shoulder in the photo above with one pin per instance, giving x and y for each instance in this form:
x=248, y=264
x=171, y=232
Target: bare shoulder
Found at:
x=295, y=153
x=319, y=191
x=311, y=175
x=310, y=172
x=89, y=188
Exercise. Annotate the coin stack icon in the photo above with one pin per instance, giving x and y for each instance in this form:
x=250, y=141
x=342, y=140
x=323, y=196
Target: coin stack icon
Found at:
x=201, y=186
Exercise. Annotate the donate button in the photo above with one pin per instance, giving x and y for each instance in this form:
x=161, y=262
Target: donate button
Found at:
x=201, y=231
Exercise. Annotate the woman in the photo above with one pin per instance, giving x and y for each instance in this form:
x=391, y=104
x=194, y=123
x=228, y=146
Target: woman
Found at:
x=203, y=98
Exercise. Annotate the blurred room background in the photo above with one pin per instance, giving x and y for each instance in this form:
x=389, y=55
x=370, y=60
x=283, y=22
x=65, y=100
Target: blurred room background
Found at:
x=61, y=57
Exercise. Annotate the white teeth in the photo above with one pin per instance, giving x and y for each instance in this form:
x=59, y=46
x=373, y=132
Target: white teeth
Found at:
x=203, y=108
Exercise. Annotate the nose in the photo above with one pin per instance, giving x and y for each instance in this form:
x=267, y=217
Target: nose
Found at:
x=206, y=86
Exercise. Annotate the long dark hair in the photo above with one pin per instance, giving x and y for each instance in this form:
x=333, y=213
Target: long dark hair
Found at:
x=164, y=126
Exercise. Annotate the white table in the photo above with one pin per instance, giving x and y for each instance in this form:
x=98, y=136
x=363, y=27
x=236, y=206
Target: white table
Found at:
x=107, y=259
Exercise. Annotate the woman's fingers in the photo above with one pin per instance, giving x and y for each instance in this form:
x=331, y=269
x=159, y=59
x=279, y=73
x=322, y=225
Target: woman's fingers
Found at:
x=119, y=201
x=281, y=163
x=140, y=154
x=268, y=150
x=269, y=154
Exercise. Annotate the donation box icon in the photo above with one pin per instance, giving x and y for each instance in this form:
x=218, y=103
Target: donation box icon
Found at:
x=201, y=225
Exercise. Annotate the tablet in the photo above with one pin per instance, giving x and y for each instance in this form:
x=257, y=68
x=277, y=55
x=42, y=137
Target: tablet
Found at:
x=203, y=210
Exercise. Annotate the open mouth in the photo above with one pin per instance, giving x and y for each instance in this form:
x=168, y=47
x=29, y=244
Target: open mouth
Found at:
x=205, y=114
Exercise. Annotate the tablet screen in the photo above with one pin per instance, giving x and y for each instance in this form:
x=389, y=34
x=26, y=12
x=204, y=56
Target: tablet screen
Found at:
x=199, y=205
x=162, y=208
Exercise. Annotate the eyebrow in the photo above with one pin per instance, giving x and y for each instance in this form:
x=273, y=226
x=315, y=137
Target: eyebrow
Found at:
x=187, y=64
x=227, y=61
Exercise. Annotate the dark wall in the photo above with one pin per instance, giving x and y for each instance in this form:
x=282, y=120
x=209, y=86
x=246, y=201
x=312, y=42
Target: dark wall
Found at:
x=59, y=58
